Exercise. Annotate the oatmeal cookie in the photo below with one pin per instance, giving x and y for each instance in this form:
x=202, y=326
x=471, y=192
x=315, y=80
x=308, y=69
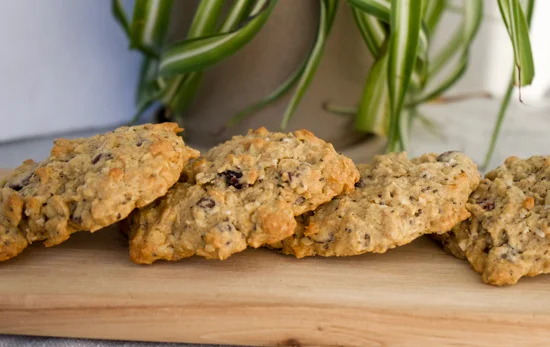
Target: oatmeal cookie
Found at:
x=508, y=234
x=396, y=201
x=87, y=184
x=245, y=192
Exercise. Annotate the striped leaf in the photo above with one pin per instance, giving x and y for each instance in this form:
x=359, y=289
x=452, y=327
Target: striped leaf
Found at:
x=473, y=15
x=372, y=30
x=147, y=85
x=405, y=24
x=528, y=7
x=239, y=10
x=120, y=15
x=382, y=9
x=454, y=75
x=204, y=23
x=373, y=111
x=518, y=29
x=374, y=14
x=434, y=11
x=195, y=55
x=326, y=19
x=205, y=18
x=150, y=25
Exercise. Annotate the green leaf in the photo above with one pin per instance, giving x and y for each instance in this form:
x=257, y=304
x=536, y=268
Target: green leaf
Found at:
x=528, y=9
x=144, y=105
x=473, y=14
x=518, y=30
x=326, y=18
x=373, y=111
x=372, y=30
x=188, y=89
x=462, y=38
x=377, y=8
x=150, y=25
x=340, y=110
x=197, y=54
x=236, y=14
x=204, y=23
x=382, y=9
x=406, y=20
x=434, y=11
x=170, y=88
x=500, y=118
x=120, y=15
x=147, y=84
x=448, y=82
x=270, y=98
x=205, y=18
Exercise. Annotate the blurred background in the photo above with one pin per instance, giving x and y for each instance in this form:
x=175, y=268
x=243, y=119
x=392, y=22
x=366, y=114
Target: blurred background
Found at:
x=66, y=71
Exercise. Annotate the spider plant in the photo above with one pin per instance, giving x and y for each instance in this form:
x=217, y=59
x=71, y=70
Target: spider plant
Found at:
x=406, y=73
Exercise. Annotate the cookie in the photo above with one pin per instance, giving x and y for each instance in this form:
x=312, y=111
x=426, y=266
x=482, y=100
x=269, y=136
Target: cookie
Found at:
x=508, y=234
x=87, y=184
x=245, y=192
x=396, y=201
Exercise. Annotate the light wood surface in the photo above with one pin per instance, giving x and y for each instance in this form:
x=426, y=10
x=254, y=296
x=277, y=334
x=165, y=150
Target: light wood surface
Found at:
x=412, y=296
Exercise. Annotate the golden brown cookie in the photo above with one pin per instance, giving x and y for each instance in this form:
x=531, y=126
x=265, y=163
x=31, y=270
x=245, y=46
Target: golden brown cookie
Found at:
x=508, y=234
x=396, y=201
x=245, y=192
x=87, y=184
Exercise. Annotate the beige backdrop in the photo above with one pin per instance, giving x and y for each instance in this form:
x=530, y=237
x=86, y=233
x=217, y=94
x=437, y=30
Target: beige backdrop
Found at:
x=267, y=60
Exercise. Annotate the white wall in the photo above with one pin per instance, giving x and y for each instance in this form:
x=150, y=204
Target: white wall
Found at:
x=64, y=65
x=491, y=54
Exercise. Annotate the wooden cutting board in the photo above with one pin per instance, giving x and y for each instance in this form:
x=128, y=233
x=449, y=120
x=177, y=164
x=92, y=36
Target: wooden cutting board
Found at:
x=411, y=296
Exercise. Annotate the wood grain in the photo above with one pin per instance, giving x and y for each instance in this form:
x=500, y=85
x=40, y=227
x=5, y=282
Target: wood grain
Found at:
x=412, y=296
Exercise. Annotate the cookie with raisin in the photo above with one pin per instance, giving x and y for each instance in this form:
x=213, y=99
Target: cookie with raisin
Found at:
x=88, y=184
x=244, y=192
x=508, y=234
x=396, y=201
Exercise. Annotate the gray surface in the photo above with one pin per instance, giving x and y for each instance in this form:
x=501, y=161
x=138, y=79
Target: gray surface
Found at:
x=37, y=341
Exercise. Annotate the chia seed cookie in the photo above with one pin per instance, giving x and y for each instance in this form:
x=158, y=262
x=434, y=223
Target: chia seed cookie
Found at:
x=87, y=184
x=508, y=235
x=245, y=192
x=396, y=201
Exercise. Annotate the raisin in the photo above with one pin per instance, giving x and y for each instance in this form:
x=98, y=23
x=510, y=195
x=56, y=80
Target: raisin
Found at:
x=232, y=178
x=226, y=227
x=486, y=205
x=300, y=200
x=21, y=184
x=77, y=219
x=367, y=239
x=360, y=183
x=98, y=157
x=206, y=203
